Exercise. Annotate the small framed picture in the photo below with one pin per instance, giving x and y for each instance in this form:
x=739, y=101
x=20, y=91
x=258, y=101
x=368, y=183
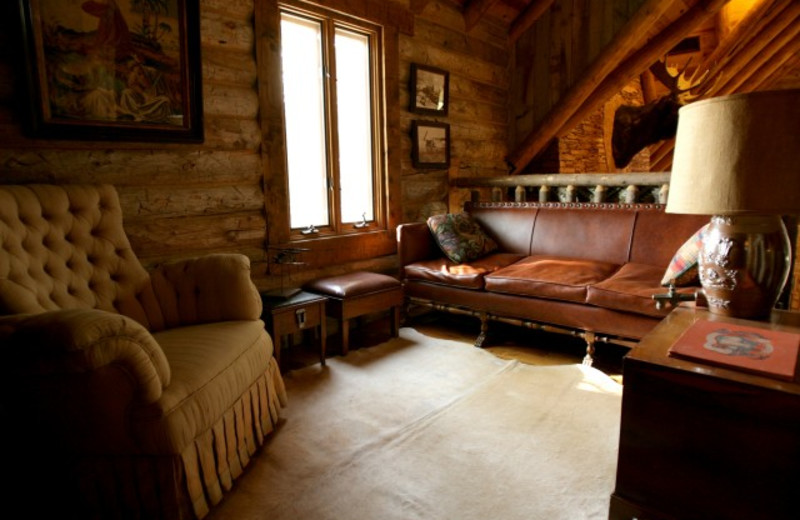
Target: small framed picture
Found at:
x=429, y=90
x=430, y=144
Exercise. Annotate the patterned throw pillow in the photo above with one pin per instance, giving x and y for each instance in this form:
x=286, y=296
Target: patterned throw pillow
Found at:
x=683, y=266
x=460, y=237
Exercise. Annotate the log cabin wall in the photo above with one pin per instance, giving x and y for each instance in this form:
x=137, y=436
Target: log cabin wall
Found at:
x=477, y=61
x=178, y=200
x=184, y=200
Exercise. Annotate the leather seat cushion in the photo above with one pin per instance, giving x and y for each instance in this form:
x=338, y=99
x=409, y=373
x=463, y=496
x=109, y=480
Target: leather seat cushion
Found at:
x=631, y=289
x=467, y=276
x=353, y=284
x=551, y=277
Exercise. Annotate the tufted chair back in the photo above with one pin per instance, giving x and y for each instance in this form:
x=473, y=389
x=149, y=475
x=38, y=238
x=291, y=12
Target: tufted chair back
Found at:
x=64, y=247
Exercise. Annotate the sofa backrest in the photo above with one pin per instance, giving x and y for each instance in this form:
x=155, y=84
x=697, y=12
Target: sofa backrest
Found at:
x=64, y=247
x=641, y=233
x=591, y=234
x=658, y=235
x=511, y=227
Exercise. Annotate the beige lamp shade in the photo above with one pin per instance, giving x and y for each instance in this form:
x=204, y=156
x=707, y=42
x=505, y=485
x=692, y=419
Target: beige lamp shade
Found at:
x=738, y=154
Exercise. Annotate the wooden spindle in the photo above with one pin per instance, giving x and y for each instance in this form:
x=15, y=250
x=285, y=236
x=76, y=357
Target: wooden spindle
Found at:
x=544, y=193
x=631, y=192
x=663, y=193
x=519, y=194
x=497, y=194
x=599, y=194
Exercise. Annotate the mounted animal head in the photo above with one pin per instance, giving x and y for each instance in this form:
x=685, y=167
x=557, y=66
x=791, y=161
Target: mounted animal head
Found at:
x=636, y=127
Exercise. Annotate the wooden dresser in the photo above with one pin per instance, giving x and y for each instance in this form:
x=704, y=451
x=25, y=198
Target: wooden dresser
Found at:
x=703, y=442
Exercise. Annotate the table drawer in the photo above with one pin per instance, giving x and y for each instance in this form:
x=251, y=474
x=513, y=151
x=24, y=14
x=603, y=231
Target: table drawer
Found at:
x=287, y=321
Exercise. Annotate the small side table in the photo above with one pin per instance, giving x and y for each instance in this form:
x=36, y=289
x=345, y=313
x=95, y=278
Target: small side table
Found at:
x=285, y=316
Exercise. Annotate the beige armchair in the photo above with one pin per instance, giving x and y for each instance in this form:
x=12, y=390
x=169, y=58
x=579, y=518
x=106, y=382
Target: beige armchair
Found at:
x=125, y=393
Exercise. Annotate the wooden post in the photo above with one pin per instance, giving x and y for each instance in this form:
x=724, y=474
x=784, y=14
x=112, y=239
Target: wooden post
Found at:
x=569, y=194
x=497, y=194
x=599, y=194
x=519, y=194
x=544, y=192
x=663, y=194
x=631, y=192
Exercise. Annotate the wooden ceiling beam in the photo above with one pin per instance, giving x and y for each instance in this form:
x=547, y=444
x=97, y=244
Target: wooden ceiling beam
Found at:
x=627, y=39
x=417, y=6
x=775, y=69
x=759, y=49
x=748, y=66
x=642, y=59
x=755, y=21
x=527, y=18
x=475, y=11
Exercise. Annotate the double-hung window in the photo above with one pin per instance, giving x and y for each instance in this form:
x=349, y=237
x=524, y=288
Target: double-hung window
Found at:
x=333, y=122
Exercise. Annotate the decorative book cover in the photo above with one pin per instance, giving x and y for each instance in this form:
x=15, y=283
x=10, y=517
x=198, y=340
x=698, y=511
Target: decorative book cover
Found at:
x=761, y=351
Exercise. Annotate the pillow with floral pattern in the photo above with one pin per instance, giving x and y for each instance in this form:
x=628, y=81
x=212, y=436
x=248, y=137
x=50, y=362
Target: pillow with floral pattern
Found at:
x=460, y=237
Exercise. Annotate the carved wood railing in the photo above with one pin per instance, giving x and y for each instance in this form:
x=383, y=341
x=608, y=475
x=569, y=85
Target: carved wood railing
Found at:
x=625, y=188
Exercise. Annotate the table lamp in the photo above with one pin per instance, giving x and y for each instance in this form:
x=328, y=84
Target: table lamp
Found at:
x=737, y=159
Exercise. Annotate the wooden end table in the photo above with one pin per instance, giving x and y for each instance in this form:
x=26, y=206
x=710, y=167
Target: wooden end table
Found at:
x=300, y=312
x=699, y=441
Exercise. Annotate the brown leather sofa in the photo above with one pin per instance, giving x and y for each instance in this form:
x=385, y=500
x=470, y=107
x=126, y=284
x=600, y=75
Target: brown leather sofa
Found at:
x=585, y=269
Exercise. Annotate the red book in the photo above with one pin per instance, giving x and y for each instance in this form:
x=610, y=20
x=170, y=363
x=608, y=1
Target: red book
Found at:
x=751, y=349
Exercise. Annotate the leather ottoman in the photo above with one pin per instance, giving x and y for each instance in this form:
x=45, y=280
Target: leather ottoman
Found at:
x=356, y=294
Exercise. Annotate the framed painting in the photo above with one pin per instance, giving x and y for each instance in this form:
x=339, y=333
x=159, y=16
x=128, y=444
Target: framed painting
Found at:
x=113, y=69
x=430, y=146
x=429, y=90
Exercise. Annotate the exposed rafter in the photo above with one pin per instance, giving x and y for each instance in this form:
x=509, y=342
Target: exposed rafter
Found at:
x=417, y=6
x=527, y=18
x=641, y=60
x=475, y=10
x=629, y=38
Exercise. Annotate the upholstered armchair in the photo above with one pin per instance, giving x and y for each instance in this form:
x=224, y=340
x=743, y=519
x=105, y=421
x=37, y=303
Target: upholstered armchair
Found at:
x=126, y=393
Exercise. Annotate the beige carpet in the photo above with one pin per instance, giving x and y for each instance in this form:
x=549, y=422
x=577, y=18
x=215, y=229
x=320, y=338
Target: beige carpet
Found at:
x=422, y=428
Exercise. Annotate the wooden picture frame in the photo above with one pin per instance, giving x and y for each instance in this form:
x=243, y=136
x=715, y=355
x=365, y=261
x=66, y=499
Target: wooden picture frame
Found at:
x=430, y=146
x=113, y=70
x=429, y=90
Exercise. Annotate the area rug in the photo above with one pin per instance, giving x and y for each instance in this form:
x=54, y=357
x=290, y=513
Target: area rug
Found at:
x=426, y=428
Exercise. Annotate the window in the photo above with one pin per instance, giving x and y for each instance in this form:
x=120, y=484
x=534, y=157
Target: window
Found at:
x=334, y=128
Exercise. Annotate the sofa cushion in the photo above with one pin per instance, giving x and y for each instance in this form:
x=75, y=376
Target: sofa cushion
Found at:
x=460, y=237
x=552, y=277
x=682, y=269
x=631, y=289
x=467, y=276
x=211, y=364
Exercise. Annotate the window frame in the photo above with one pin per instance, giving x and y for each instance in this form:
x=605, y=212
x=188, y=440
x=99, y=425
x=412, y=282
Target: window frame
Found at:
x=330, y=21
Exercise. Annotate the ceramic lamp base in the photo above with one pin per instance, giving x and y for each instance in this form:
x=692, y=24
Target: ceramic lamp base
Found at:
x=744, y=264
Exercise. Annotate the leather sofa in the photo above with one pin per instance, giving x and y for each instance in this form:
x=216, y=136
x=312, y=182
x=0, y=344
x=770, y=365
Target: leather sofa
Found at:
x=125, y=393
x=585, y=269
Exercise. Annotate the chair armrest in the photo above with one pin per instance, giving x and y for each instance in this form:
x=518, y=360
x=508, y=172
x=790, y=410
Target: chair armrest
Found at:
x=82, y=341
x=415, y=243
x=206, y=289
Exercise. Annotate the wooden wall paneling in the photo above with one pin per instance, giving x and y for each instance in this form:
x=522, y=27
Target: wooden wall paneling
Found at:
x=623, y=43
x=478, y=113
x=178, y=199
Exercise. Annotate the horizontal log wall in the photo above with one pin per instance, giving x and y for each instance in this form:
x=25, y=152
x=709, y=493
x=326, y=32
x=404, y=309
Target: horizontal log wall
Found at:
x=477, y=61
x=178, y=200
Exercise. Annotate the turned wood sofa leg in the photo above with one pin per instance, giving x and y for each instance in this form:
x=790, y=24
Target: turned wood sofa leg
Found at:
x=484, y=329
x=590, y=340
